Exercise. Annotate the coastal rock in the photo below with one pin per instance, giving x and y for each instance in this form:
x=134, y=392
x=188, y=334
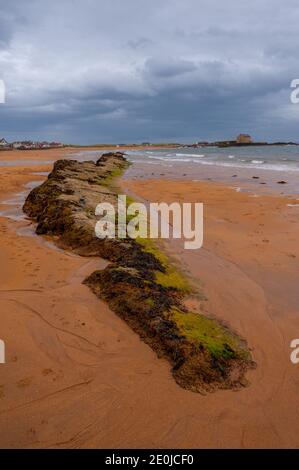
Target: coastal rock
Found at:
x=139, y=284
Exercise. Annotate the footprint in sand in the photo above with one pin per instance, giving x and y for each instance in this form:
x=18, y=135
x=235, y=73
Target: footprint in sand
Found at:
x=32, y=431
x=24, y=382
x=46, y=372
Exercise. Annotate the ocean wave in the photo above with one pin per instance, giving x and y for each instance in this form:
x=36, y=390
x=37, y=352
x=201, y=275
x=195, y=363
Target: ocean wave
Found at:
x=258, y=162
x=258, y=166
x=167, y=159
x=198, y=155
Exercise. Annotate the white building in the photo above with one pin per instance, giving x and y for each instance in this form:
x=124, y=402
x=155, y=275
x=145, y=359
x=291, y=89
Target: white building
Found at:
x=3, y=143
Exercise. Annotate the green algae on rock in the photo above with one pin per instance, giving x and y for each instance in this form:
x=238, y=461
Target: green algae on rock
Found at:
x=140, y=284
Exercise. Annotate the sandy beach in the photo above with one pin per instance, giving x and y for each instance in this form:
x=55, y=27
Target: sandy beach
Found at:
x=76, y=376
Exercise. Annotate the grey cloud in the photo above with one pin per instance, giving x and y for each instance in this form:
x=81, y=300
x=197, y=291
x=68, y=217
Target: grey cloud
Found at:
x=163, y=67
x=140, y=43
x=138, y=70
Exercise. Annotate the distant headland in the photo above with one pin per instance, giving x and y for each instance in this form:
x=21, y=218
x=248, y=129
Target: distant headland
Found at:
x=242, y=140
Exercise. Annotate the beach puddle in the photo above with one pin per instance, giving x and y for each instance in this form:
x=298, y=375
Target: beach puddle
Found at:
x=15, y=204
x=6, y=163
x=40, y=173
x=14, y=211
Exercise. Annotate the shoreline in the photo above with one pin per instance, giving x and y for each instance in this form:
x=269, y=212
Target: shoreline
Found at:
x=116, y=385
x=58, y=153
x=254, y=180
x=260, y=181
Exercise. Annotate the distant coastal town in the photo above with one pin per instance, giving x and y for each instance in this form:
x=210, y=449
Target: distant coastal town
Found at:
x=28, y=145
x=242, y=140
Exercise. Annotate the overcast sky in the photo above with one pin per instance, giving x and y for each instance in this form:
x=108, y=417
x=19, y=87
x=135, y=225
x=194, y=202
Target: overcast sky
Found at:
x=88, y=71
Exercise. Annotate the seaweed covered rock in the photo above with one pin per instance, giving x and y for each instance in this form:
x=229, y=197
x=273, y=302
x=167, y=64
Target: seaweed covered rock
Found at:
x=140, y=284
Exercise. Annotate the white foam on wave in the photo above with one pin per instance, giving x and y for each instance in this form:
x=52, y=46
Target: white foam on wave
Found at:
x=233, y=162
x=167, y=159
x=257, y=166
x=198, y=155
x=153, y=163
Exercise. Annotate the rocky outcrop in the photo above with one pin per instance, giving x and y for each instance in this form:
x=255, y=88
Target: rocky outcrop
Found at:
x=140, y=284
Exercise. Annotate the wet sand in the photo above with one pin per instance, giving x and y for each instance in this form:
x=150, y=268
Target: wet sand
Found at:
x=245, y=179
x=248, y=268
x=77, y=376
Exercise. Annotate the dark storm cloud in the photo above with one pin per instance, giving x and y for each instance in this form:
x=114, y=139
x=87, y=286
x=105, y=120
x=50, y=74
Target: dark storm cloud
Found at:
x=95, y=71
x=164, y=67
x=9, y=20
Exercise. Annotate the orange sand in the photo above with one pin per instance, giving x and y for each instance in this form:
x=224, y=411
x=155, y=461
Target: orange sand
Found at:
x=77, y=376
